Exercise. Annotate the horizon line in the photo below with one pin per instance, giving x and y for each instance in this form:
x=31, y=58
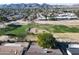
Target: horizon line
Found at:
x=43, y=3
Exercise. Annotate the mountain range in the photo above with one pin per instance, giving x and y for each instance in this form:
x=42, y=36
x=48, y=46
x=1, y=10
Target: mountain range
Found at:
x=36, y=5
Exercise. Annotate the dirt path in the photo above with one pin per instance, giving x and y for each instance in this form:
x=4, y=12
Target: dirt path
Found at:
x=62, y=22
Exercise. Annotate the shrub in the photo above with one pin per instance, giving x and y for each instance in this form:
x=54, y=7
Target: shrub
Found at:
x=46, y=40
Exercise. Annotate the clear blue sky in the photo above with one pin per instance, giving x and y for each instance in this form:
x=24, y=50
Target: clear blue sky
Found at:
x=39, y=1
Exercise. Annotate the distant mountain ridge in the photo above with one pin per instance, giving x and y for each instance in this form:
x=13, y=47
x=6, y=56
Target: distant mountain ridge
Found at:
x=36, y=5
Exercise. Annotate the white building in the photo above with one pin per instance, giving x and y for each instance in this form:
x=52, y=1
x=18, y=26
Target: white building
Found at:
x=66, y=16
x=40, y=17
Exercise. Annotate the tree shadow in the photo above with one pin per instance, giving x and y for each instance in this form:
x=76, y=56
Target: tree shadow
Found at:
x=62, y=46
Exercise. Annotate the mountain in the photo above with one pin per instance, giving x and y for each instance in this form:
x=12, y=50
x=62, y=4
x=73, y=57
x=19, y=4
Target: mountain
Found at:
x=21, y=6
x=34, y=5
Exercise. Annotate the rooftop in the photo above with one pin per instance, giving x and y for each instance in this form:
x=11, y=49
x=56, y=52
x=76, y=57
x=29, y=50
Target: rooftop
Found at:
x=37, y=50
x=66, y=15
x=13, y=48
x=10, y=50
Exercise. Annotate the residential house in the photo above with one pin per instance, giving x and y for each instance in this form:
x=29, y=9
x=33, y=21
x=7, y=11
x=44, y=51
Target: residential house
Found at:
x=66, y=16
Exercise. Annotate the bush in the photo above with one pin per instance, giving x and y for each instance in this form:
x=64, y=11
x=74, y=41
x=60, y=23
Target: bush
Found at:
x=46, y=40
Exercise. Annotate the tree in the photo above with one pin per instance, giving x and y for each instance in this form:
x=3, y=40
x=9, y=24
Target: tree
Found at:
x=2, y=18
x=14, y=18
x=46, y=40
x=77, y=13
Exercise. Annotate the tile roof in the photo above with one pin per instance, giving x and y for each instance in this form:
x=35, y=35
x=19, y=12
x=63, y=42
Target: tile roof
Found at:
x=10, y=50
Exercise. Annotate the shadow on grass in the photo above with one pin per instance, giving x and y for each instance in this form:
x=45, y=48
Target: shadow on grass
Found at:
x=11, y=27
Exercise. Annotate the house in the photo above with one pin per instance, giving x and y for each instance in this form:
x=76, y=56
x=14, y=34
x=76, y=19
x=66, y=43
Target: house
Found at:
x=58, y=16
x=9, y=18
x=13, y=17
x=65, y=16
x=13, y=48
x=40, y=17
x=17, y=16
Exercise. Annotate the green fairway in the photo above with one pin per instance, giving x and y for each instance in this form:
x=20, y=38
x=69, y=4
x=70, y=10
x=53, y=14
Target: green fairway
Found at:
x=57, y=28
x=20, y=31
x=14, y=30
x=63, y=29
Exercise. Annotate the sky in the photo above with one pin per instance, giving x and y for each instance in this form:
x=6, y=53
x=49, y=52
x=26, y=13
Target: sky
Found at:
x=40, y=1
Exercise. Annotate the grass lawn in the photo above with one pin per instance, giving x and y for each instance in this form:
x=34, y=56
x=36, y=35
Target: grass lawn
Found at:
x=17, y=31
x=63, y=29
x=57, y=28
x=20, y=31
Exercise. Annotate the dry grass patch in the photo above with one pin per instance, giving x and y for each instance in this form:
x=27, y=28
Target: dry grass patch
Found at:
x=73, y=37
